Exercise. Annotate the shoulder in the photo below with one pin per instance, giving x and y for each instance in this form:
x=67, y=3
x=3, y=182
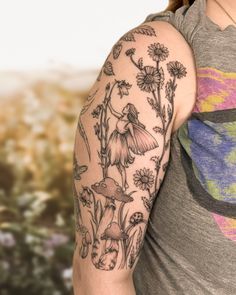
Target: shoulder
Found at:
x=150, y=38
x=157, y=45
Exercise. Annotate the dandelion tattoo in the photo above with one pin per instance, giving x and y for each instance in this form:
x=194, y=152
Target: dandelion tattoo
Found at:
x=113, y=232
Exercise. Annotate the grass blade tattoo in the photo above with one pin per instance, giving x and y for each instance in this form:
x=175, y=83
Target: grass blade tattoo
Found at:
x=80, y=125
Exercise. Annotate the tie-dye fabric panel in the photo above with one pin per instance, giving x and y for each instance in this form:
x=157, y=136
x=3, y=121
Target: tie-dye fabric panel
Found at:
x=208, y=141
x=213, y=151
x=216, y=90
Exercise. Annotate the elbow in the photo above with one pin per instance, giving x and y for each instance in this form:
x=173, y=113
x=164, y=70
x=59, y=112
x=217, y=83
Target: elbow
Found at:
x=77, y=276
x=87, y=283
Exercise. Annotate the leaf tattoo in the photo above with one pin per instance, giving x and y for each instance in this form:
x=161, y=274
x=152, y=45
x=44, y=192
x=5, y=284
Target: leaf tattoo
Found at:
x=144, y=30
x=128, y=37
x=108, y=69
x=117, y=50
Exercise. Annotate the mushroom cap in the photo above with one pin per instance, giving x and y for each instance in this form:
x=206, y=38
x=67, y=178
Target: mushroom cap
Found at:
x=136, y=218
x=114, y=232
x=109, y=188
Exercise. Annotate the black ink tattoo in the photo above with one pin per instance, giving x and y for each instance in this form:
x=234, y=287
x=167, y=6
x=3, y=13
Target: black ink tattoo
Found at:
x=129, y=135
x=80, y=126
x=150, y=79
x=86, y=242
x=86, y=196
x=78, y=215
x=144, y=179
x=136, y=248
x=78, y=169
x=107, y=69
x=115, y=232
x=116, y=50
x=144, y=30
x=113, y=193
x=80, y=228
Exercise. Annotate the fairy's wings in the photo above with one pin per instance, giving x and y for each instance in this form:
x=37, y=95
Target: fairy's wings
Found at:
x=145, y=141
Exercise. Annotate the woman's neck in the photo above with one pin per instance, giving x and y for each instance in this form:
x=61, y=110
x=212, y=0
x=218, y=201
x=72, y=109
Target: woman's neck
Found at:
x=217, y=14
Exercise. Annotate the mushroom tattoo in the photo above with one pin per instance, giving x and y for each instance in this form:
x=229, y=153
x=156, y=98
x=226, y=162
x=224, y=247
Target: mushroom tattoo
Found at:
x=114, y=234
x=112, y=191
x=86, y=241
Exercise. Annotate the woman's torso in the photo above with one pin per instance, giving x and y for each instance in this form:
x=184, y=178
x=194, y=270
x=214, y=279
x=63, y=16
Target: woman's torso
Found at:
x=190, y=243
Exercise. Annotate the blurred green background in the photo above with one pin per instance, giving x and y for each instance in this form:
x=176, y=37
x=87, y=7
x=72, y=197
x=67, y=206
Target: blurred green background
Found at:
x=38, y=120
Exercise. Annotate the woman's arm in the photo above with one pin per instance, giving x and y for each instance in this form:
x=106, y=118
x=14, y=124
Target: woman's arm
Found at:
x=111, y=218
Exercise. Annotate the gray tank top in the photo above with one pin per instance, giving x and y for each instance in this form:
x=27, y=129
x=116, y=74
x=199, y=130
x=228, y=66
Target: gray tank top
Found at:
x=190, y=243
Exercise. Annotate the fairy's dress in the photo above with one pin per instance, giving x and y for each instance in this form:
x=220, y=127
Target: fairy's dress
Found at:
x=121, y=142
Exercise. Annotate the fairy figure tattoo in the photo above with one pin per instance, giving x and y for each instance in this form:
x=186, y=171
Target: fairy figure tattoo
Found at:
x=129, y=135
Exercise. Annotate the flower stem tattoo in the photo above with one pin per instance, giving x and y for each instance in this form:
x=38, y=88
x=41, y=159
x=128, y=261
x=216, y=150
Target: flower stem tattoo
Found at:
x=150, y=79
x=113, y=232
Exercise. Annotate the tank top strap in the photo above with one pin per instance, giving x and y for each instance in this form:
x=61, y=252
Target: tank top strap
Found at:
x=186, y=19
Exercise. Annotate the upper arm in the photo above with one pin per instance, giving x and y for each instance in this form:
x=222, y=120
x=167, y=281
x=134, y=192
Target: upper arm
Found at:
x=120, y=158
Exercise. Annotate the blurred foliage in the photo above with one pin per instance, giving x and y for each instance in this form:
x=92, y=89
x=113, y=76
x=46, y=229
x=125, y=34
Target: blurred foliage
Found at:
x=37, y=129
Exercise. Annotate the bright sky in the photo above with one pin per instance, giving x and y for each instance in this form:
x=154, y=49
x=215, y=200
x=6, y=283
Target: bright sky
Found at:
x=80, y=33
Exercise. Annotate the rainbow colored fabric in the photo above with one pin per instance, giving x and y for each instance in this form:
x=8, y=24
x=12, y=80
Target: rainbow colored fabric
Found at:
x=208, y=140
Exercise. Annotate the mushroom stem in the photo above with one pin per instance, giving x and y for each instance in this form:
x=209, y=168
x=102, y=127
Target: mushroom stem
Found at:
x=123, y=260
x=120, y=220
x=84, y=249
x=120, y=213
x=99, y=244
x=109, y=259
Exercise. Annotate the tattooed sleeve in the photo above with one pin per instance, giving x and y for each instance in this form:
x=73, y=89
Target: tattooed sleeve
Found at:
x=121, y=148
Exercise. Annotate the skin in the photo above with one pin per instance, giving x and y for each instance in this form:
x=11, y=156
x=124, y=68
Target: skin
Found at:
x=217, y=15
x=144, y=144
